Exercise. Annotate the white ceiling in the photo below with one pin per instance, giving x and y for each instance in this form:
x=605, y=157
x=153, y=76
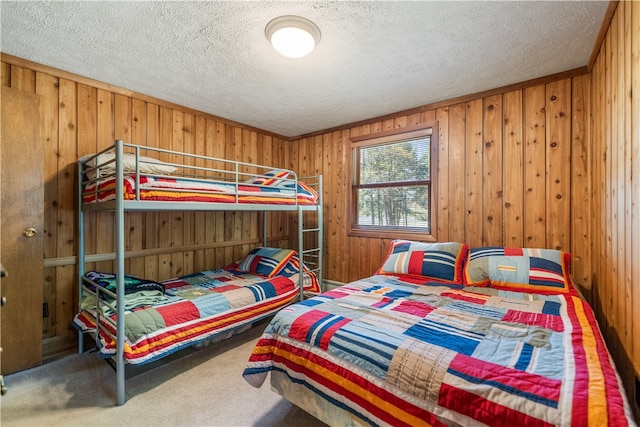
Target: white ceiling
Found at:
x=374, y=57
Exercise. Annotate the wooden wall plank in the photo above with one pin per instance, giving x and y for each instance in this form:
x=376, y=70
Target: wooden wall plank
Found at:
x=177, y=218
x=581, y=158
x=534, y=168
x=151, y=219
x=623, y=78
x=626, y=102
x=456, y=177
x=67, y=156
x=513, y=171
x=135, y=229
x=474, y=155
x=87, y=144
x=493, y=170
x=635, y=182
x=47, y=88
x=558, y=170
x=122, y=131
x=442, y=168
x=105, y=136
x=200, y=258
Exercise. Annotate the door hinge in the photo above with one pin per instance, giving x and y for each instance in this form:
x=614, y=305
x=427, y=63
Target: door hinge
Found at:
x=45, y=310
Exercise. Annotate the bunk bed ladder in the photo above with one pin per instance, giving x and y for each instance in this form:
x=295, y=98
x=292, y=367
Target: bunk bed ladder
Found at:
x=312, y=257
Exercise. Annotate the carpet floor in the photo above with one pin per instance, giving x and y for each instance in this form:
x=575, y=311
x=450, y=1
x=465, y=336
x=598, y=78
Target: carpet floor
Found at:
x=192, y=388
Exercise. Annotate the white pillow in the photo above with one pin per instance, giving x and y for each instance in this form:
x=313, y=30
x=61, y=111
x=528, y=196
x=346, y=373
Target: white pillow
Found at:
x=146, y=164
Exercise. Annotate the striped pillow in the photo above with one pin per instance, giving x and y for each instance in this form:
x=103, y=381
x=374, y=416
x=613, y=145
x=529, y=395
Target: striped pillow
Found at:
x=441, y=262
x=265, y=261
x=523, y=269
x=273, y=177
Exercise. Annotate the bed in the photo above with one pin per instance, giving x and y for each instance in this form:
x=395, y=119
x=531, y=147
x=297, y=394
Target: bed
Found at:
x=136, y=321
x=161, y=318
x=511, y=343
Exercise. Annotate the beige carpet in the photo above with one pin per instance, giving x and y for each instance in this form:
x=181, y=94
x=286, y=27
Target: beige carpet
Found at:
x=200, y=388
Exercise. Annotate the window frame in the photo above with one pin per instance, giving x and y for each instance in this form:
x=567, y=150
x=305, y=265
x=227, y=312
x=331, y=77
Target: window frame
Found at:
x=388, y=137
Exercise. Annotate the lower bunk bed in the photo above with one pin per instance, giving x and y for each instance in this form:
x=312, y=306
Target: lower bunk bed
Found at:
x=512, y=343
x=161, y=318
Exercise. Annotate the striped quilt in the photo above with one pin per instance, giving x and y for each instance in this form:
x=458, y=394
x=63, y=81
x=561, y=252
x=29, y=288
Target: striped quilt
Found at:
x=194, y=308
x=389, y=352
x=162, y=188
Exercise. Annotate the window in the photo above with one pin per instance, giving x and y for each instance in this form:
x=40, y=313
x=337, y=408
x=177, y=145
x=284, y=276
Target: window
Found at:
x=393, y=182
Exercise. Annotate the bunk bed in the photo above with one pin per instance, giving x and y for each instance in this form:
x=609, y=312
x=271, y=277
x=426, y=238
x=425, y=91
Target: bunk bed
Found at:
x=442, y=335
x=136, y=321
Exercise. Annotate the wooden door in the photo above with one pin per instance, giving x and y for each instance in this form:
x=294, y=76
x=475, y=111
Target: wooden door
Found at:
x=21, y=231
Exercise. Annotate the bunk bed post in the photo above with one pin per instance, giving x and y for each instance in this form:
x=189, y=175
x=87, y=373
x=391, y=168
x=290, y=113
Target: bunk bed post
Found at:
x=264, y=228
x=80, y=251
x=119, y=219
x=301, y=251
x=320, y=227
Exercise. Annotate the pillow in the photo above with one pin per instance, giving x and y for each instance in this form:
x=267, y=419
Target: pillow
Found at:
x=437, y=261
x=265, y=261
x=147, y=165
x=273, y=177
x=524, y=269
x=292, y=267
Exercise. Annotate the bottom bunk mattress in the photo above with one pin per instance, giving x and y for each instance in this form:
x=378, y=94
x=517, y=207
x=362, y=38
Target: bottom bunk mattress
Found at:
x=387, y=351
x=188, y=311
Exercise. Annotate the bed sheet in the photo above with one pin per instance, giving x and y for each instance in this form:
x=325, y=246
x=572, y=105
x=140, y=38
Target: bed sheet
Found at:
x=161, y=188
x=194, y=308
x=389, y=352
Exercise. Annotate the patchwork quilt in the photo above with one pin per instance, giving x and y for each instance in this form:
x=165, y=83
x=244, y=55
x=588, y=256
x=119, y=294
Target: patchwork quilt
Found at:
x=391, y=351
x=194, y=308
x=162, y=188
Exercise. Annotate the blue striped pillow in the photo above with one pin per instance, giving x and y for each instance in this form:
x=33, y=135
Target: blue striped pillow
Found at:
x=265, y=261
x=521, y=269
x=440, y=262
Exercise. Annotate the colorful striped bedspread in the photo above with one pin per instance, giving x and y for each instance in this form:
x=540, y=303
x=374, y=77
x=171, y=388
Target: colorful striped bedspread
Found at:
x=196, y=308
x=176, y=189
x=392, y=353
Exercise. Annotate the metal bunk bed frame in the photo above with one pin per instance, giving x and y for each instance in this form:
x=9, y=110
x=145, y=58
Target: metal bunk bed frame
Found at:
x=313, y=257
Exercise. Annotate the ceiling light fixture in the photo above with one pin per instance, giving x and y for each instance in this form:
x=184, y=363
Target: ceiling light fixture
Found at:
x=292, y=36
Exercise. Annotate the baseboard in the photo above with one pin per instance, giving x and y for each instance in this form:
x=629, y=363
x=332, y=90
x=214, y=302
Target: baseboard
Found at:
x=329, y=285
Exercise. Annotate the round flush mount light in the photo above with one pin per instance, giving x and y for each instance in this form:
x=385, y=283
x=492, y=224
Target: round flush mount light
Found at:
x=292, y=36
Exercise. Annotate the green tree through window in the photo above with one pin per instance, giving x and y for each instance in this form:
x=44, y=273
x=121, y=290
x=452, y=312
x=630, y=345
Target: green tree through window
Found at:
x=392, y=182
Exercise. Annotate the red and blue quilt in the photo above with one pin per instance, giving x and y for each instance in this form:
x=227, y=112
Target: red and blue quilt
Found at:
x=179, y=189
x=390, y=351
x=193, y=309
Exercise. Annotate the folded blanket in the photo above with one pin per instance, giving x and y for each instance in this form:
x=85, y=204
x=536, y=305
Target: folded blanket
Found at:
x=132, y=284
x=131, y=301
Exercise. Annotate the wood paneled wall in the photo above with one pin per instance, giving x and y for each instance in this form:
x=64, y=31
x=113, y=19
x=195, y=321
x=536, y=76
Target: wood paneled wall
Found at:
x=615, y=216
x=79, y=117
x=513, y=170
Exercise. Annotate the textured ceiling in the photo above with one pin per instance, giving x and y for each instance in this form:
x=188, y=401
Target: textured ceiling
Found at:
x=374, y=58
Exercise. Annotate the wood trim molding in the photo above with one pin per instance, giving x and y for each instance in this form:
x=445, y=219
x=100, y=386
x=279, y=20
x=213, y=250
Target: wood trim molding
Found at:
x=110, y=256
x=604, y=27
x=576, y=72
